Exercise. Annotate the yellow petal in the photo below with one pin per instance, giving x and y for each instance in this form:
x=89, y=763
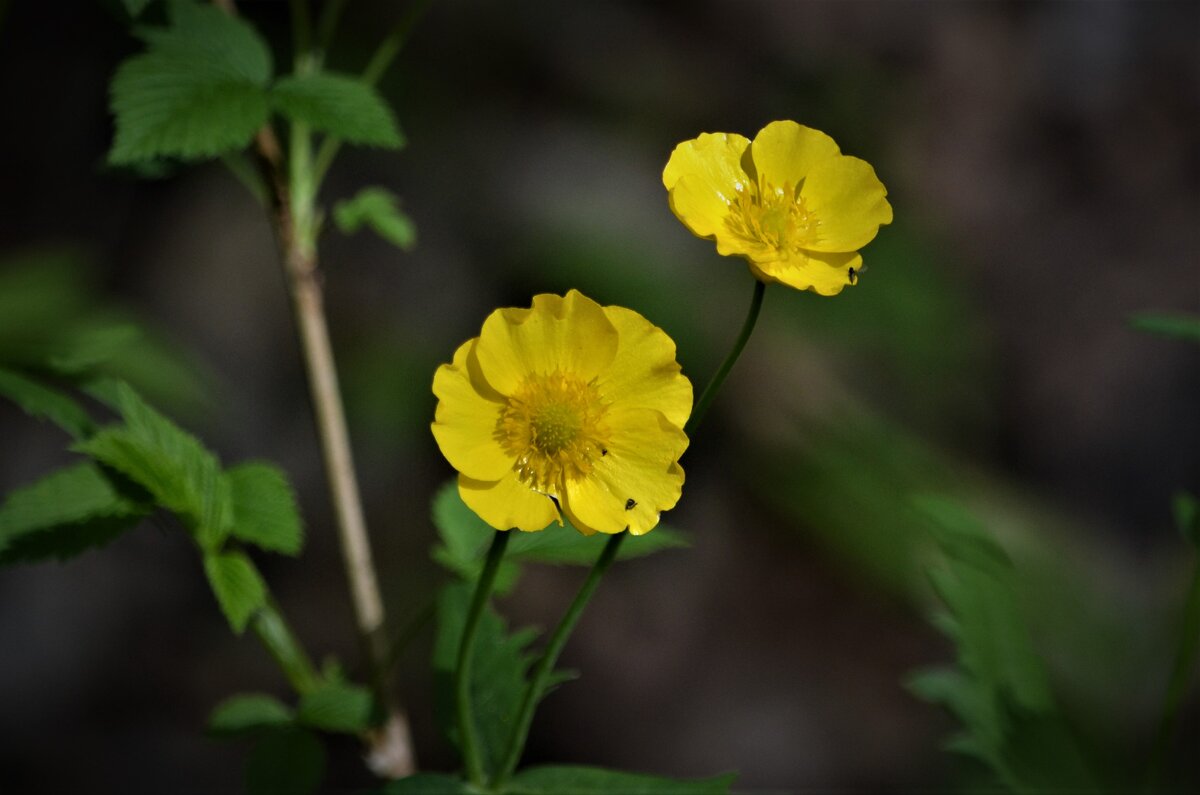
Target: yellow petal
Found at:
x=568, y=334
x=644, y=372
x=784, y=152
x=635, y=481
x=703, y=176
x=507, y=503
x=848, y=201
x=465, y=422
x=823, y=274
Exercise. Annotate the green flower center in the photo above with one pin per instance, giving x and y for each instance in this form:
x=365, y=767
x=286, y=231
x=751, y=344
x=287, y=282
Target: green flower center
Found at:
x=554, y=427
x=775, y=216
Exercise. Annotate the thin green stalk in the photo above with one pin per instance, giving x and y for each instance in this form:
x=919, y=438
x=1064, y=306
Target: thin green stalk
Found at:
x=275, y=634
x=466, y=651
x=384, y=54
x=710, y=391
x=1181, y=675
x=327, y=24
x=545, y=665
x=301, y=29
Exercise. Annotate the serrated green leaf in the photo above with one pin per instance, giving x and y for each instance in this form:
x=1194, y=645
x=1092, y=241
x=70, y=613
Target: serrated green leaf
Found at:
x=341, y=105
x=498, y=672
x=560, y=780
x=42, y=402
x=1178, y=326
x=239, y=588
x=172, y=465
x=286, y=762
x=264, y=508
x=337, y=707
x=428, y=784
x=63, y=514
x=248, y=712
x=379, y=209
x=198, y=91
x=1187, y=517
x=465, y=539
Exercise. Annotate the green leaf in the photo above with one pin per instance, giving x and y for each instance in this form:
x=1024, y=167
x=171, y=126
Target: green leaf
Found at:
x=555, y=780
x=198, y=91
x=248, y=712
x=498, y=671
x=286, y=762
x=172, y=465
x=237, y=585
x=264, y=508
x=337, y=707
x=465, y=539
x=379, y=209
x=43, y=402
x=1187, y=517
x=341, y=105
x=89, y=346
x=64, y=514
x=1179, y=326
x=428, y=784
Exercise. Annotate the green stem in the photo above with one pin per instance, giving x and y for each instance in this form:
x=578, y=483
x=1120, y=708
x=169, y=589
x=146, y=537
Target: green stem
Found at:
x=275, y=634
x=1181, y=674
x=466, y=651
x=385, y=53
x=545, y=665
x=331, y=13
x=301, y=29
x=710, y=391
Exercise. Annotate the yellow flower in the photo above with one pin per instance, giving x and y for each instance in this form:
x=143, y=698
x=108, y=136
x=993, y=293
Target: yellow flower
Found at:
x=789, y=202
x=568, y=405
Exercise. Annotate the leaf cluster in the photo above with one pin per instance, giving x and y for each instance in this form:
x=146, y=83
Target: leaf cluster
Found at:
x=999, y=688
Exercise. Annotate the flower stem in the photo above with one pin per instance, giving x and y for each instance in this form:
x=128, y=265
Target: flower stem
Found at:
x=714, y=386
x=1181, y=674
x=466, y=650
x=545, y=664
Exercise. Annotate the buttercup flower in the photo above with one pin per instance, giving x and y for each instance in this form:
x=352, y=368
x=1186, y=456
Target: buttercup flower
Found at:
x=789, y=202
x=566, y=406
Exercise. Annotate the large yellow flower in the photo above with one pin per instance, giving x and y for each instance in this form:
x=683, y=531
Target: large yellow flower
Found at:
x=568, y=405
x=789, y=202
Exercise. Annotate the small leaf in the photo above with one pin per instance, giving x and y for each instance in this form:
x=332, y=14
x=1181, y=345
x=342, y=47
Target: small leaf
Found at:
x=248, y=712
x=286, y=762
x=43, y=402
x=1187, y=517
x=237, y=585
x=337, y=707
x=556, y=780
x=341, y=105
x=428, y=784
x=198, y=91
x=1179, y=326
x=378, y=209
x=264, y=508
x=63, y=514
x=172, y=465
x=86, y=348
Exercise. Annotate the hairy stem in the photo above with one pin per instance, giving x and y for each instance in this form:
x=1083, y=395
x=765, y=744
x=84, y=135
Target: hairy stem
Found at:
x=714, y=386
x=271, y=628
x=466, y=649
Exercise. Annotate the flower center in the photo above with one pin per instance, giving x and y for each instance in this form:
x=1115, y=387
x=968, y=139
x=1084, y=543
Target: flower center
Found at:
x=776, y=216
x=554, y=426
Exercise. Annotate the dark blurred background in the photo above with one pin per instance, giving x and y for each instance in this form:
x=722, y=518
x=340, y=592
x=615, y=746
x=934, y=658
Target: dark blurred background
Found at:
x=1042, y=160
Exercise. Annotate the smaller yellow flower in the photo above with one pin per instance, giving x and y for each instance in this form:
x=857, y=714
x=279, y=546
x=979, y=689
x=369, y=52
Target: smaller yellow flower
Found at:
x=567, y=406
x=789, y=202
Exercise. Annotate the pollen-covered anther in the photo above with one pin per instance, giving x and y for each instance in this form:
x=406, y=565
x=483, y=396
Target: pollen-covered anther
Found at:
x=554, y=428
x=774, y=215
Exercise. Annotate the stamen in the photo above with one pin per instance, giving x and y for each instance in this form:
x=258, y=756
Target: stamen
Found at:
x=776, y=216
